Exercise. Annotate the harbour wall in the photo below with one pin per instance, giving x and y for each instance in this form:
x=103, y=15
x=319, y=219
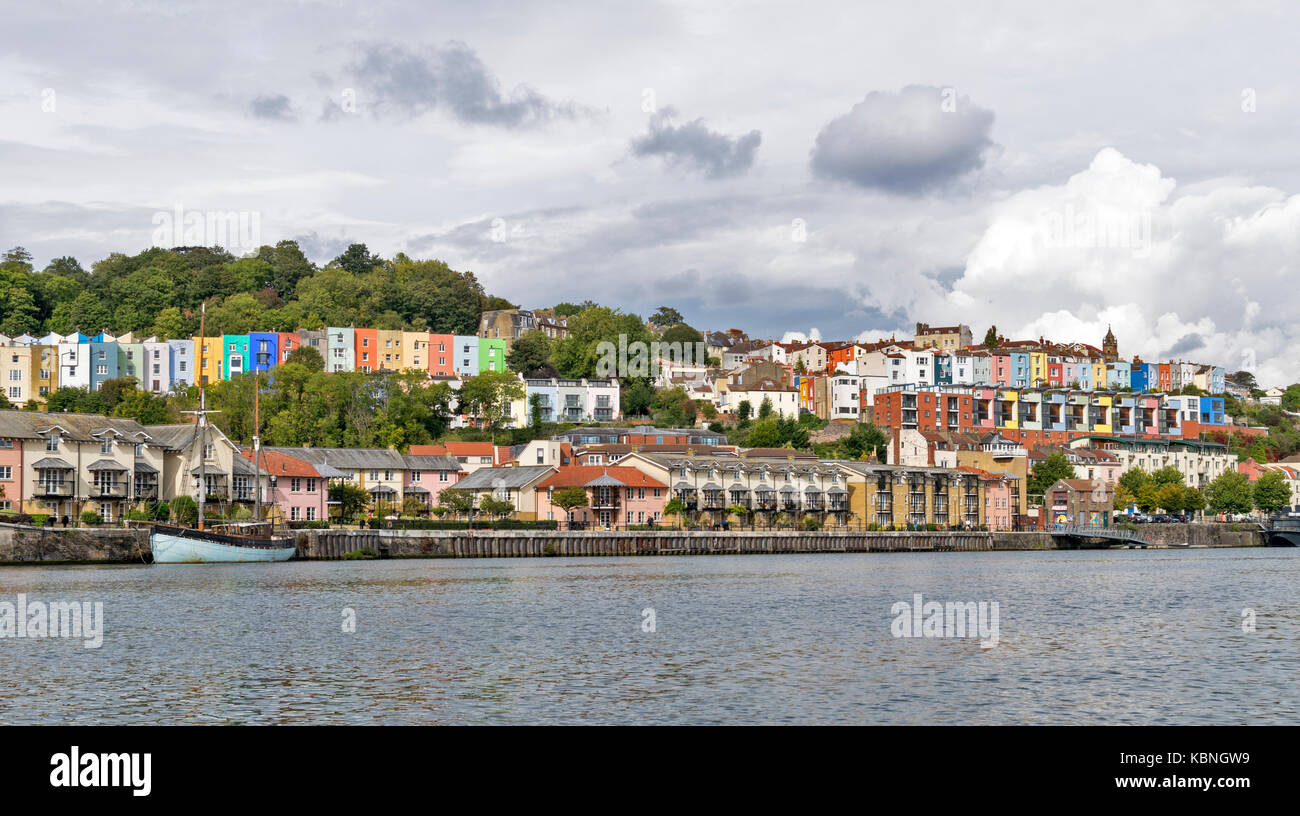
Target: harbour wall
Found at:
x=23, y=544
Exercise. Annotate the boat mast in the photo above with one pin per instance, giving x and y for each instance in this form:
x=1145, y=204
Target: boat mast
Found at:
x=202, y=415
x=257, y=450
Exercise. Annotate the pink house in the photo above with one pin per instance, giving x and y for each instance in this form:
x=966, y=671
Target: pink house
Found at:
x=999, y=512
x=425, y=476
x=616, y=496
x=299, y=490
x=11, y=474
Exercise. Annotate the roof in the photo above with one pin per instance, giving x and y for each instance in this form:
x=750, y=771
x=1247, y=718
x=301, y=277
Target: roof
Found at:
x=349, y=458
x=52, y=463
x=276, y=463
x=75, y=427
x=509, y=477
x=597, y=476
x=421, y=462
x=106, y=464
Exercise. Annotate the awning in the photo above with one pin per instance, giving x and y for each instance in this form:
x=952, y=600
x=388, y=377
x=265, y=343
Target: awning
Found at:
x=812, y=489
x=106, y=464
x=209, y=472
x=837, y=491
x=50, y=463
x=382, y=489
x=415, y=489
x=683, y=486
x=145, y=467
x=788, y=489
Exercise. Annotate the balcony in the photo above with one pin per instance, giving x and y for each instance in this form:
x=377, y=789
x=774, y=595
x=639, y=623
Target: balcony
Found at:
x=713, y=500
x=49, y=487
x=107, y=490
x=146, y=490
x=766, y=500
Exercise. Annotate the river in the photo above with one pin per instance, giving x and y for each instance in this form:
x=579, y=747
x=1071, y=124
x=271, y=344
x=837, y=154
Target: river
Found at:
x=1112, y=636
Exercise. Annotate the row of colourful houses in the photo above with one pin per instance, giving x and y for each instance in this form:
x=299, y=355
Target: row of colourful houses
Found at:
x=33, y=367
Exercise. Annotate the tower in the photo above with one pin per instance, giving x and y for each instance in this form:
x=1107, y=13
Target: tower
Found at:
x=1110, y=348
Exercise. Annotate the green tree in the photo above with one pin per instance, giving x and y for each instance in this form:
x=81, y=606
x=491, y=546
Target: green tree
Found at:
x=1230, y=492
x=184, y=510
x=350, y=499
x=307, y=357
x=862, y=441
x=1047, y=472
x=765, y=433
x=666, y=316
x=991, y=338
x=496, y=508
x=1271, y=492
x=765, y=410
x=569, y=498
x=530, y=351
x=487, y=396
x=636, y=397
x=743, y=412
x=457, y=501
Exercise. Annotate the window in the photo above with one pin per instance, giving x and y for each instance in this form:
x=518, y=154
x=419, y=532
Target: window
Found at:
x=101, y=369
x=6, y=472
x=52, y=443
x=106, y=446
x=442, y=475
x=15, y=375
x=139, y=449
x=16, y=392
x=311, y=513
x=415, y=476
x=311, y=485
x=295, y=485
x=294, y=513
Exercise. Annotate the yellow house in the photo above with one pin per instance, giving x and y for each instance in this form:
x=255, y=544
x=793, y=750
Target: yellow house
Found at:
x=1011, y=398
x=1037, y=368
x=388, y=357
x=207, y=358
x=1103, y=402
x=415, y=351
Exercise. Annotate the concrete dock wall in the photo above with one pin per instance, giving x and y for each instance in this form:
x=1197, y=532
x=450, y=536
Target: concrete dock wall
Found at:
x=22, y=544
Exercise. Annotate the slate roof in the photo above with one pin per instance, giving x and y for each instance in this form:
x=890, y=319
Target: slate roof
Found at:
x=489, y=478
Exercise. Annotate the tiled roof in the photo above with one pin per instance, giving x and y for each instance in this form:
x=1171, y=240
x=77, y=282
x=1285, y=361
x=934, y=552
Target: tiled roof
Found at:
x=277, y=464
x=589, y=475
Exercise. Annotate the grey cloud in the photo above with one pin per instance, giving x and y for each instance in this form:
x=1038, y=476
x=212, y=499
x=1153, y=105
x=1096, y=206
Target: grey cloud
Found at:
x=905, y=142
x=322, y=249
x=451, y=78
x=694, y=146
x=272, y=107
x=1186, y=345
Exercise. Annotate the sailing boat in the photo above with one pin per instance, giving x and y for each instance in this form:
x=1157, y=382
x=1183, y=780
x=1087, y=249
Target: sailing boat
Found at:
x=231, y=542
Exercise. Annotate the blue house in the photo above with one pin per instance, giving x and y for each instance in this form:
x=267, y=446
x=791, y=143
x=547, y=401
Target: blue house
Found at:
x=1137, y=378
x=103, y=363
x=263, y=350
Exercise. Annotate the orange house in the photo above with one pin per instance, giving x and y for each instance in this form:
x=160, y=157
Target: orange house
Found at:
x=441, y=347
x=289, y=341
x=367, y=349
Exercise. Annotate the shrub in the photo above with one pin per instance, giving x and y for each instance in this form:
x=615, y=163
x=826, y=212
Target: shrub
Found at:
x=91, y=517
x=363, y=554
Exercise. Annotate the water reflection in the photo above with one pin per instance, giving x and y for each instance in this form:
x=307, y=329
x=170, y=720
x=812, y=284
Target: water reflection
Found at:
x=1114, y=636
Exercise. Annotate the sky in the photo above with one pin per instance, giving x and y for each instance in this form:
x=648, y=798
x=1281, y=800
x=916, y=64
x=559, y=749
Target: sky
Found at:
x=825, y=170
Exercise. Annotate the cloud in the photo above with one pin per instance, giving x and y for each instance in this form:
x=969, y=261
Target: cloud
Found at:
x=271, y=107
x=909, y=142
x=693, y=146
x=1206, y=270
x=451, y=78
x=811, y=336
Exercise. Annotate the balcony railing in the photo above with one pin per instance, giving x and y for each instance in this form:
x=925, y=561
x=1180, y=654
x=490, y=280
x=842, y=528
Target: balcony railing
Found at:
x=52, y=488
x=108, y=490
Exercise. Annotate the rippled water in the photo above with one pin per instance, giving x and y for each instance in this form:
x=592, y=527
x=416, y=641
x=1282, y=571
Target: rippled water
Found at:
x=1125, y=636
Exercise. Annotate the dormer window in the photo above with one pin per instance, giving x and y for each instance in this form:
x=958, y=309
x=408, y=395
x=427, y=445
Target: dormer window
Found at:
x=52, y=443
x=106, y=446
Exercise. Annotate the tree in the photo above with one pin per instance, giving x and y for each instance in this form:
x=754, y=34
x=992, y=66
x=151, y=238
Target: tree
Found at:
x=488, y=396
x=1167, y=475
x=765, y=409
x=1193, y=500
x=666, y=316
x=413, y=507
x=496, y=508
x=531, y=351
x=350, y=498
x=683, y=338
x=743, y=412
x=457, y=501
x=568, y=498
x=1272, y=492
x=676, y=508
x=991, y=338
x=765, y=433
x=1170, y=497
x=1230, y=492
x=862, y=441
x=184, y=510
x=1047, y=472
x=308, y=357
x=636, y=397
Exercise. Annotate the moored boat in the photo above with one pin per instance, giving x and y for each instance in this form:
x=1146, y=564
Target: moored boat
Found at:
x=222, y=544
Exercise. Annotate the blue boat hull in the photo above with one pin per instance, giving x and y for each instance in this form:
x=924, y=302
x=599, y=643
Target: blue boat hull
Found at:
x=179, y=549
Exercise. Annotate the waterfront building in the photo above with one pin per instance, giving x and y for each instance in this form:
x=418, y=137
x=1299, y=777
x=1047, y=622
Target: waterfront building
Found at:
x=616, y=496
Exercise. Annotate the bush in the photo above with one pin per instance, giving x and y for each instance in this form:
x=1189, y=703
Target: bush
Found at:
x=429, y=524
x=318, y=524
x=10, y=517
x=363, y=554
x=41, y=519
x=91, y=517
x=138, y=515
